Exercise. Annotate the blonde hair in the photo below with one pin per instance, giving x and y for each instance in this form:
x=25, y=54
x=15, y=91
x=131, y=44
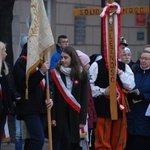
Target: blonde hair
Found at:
x=2, y=45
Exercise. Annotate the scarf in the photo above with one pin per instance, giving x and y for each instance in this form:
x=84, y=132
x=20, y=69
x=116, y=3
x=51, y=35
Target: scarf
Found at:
x=65, y=70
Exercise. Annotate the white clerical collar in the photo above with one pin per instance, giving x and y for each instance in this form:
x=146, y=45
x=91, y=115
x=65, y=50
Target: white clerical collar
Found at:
x=144, y=68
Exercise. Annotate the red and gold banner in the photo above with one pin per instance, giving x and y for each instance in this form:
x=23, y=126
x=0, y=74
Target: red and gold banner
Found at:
x=111, y=35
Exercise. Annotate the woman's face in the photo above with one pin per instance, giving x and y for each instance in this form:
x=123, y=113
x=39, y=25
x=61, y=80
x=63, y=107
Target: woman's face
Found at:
x=65, y=59
x=3, y=50
x=125, y=57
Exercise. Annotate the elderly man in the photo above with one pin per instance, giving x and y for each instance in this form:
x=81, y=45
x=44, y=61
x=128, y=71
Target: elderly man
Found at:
x=138, y=137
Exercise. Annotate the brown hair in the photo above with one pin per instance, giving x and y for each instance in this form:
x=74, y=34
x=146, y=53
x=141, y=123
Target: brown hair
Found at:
x=76, y=65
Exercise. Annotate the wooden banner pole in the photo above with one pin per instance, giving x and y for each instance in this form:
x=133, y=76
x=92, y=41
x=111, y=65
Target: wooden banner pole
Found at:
x=112, y=68
x=48, y=110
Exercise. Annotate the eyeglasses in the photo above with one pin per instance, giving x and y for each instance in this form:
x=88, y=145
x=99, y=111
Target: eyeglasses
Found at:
x=146, y=59
x=64, y=42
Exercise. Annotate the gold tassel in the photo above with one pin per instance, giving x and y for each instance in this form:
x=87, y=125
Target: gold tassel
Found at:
x=26, y=94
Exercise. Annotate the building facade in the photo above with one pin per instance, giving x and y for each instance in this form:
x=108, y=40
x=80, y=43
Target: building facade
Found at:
x=84, y=32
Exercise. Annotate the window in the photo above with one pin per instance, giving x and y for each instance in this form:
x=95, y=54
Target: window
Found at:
x=80, y=29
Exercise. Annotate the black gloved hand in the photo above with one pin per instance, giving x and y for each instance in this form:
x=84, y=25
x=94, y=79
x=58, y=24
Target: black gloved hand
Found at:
x=139, y=97
x=131, y=96
x=134, y=96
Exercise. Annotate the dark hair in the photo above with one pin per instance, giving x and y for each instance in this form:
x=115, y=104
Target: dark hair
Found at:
x=75, y=63
x=61, y=37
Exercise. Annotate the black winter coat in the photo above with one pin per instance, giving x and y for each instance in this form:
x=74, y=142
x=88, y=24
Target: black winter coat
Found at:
x=62, y=109
x=9, y=93
x=36, y=101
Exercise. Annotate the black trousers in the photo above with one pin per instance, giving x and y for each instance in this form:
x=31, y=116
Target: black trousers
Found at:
x=137, y=142
x=36, y=127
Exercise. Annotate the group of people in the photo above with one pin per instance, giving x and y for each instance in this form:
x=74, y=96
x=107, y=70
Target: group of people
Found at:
x=79, y=99
x=68, y=102
x=138, y=117
x=32, y=111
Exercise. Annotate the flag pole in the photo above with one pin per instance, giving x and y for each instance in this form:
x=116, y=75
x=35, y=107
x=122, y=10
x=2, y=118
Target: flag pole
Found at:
x=48, y=110
x=40, y=42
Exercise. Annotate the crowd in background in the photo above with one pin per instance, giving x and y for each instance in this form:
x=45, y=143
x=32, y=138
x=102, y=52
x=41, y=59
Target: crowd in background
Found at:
x=79, y=100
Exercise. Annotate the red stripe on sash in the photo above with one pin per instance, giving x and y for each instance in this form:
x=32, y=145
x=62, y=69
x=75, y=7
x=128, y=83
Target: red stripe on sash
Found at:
x=23, y=56
x=65, y=96
x=42, y=85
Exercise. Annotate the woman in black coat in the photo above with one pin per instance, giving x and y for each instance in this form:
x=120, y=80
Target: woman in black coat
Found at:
x=32, y=111
x=70, y=100
x=6, y=88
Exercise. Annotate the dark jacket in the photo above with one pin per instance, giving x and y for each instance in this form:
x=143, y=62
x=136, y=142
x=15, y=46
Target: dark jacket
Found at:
x=61, y=109
x=9, y=93
x=138, y=123
x=5, y=99
x=36, y=101
x=131, y=64
x=102, y=103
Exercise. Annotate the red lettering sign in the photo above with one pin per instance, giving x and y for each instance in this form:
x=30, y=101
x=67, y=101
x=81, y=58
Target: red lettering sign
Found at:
x=141, y=19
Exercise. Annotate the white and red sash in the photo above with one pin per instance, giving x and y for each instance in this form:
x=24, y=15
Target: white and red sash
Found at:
x=68, y=97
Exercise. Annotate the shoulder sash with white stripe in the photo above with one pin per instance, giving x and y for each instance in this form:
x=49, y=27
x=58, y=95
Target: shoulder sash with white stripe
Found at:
x=69, y=98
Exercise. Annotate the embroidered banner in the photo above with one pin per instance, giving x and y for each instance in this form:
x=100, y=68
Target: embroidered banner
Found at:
x=40, y=38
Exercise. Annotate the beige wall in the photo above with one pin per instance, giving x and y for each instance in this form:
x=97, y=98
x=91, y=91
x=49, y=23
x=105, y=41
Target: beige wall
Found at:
x=21, y=13
x=62, y=22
